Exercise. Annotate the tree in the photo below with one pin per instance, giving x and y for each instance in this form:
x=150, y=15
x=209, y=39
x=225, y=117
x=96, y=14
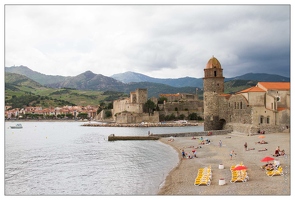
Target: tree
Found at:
x=182, y=116
x=150, y=106
x=108, y=113
x=193, y=116
x=110, y=105
x=82, y=115
x=161, y=100
x=70, y=115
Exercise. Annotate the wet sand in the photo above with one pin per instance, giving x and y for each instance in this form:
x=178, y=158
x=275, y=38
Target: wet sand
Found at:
x=180, y=180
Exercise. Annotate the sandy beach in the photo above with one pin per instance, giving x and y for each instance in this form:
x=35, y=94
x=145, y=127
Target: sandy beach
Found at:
x=180, y=180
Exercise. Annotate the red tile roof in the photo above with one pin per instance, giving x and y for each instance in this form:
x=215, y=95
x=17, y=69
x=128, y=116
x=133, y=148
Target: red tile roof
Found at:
x=167, y=95
x=225, y=95
x=251, y=89
x=264, y=86
x=274, y=85
x=281, y=108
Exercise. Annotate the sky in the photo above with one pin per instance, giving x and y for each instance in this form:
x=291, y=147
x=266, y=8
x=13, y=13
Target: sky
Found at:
x=161, y=41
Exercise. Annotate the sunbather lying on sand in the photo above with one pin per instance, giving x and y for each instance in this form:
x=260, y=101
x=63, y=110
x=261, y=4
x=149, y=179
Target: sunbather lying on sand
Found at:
x=261, y=142
x=265, y=149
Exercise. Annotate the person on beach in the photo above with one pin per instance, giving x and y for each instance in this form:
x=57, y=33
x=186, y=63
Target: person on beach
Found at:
x=231, y=154
x=183, y=153
x=195, y=153
x=265, y=149
x=246, y=146
x=220, y=143
x=277, y=152
x=190, y=156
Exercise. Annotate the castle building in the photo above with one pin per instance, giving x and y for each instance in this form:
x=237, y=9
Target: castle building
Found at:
x=265, y=106
x=131, y=110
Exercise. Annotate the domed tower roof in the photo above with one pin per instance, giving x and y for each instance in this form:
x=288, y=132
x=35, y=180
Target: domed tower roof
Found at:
x=213, y=63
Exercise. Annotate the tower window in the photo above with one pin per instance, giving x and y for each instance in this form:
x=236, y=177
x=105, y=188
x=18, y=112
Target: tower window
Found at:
x=215, y=73
x=261, y=119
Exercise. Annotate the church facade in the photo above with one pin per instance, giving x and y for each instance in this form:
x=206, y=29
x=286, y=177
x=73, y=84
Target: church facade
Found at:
x=265, y=106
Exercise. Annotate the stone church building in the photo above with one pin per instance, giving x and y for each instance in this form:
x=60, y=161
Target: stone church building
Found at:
x=265, y=106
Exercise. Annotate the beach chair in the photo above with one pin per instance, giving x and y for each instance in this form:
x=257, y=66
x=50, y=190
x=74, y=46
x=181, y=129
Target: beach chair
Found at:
x=239, y=177
x=275, y=172
x=204, y=180
x=204, y=176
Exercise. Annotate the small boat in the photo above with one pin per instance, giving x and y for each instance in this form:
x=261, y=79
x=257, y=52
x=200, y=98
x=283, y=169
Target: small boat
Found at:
x=16, y=126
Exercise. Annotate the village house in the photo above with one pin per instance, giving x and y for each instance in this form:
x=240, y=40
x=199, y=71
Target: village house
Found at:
x=74, y=110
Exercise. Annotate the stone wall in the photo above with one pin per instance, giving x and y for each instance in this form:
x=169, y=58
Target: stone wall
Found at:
x=128, y=118
x=249, y=129
x=236, y=110
x=191, y=134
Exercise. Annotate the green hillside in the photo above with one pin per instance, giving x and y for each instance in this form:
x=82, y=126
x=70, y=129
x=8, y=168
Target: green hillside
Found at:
x=21, y=91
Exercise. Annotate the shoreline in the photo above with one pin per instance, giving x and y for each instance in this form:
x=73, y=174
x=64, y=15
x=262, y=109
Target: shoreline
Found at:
x=113, y=124
x=180, y=180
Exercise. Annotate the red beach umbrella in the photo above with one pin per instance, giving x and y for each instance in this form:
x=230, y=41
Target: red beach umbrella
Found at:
x=240, y=167
x=267, y=159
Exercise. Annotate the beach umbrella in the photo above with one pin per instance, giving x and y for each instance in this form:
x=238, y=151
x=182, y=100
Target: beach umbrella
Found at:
x=193, y=150
x=267, y=159
x=261, y=136
x=240, y=167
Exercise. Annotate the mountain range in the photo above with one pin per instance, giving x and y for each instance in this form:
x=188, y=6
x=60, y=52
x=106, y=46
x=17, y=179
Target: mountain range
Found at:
x=129, y=77
x=129, y=81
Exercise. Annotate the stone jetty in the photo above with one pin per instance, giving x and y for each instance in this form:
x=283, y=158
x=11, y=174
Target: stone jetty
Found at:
x=112, y=137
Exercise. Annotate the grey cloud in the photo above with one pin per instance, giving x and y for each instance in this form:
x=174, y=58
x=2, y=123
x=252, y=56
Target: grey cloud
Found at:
x=154, y=55
x=154, y=38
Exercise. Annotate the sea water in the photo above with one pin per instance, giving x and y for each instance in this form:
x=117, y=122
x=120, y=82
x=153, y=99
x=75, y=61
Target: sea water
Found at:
x=65, y=158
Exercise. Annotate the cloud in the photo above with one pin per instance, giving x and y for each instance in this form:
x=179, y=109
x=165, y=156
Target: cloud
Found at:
x=164, y=41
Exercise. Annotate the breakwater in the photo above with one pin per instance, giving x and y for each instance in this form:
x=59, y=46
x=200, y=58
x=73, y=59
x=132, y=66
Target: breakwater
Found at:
x=112, y=137
x=191, y=134
x=153, y=136
x=141, y=124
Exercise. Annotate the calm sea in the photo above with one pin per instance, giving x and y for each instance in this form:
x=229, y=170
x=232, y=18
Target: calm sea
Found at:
x=65, y=158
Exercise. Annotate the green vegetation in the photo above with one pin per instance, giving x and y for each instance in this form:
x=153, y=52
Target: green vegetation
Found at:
x=22, y=92
x=149, y=106
x=162, y=99
x=234, y=86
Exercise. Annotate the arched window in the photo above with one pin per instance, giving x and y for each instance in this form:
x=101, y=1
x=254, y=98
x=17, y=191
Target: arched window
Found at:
x=215, y=74
x=241, y=105
x=261, y=119
x=268, y=120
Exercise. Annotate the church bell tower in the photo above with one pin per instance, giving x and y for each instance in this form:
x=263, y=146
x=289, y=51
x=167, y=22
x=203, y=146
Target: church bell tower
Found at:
x=213, y=84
